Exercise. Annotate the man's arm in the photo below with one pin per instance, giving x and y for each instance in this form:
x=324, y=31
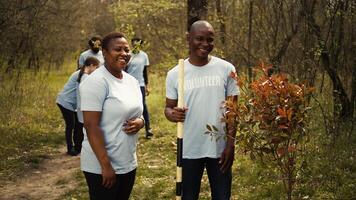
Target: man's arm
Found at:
x=227, y=157
x=145, y=75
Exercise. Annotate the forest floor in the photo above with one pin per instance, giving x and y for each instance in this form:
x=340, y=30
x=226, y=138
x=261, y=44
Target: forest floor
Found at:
x=52, y=179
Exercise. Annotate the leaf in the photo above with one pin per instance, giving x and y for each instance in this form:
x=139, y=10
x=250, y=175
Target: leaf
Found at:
x=283, y=127
x=289, y=114
x=215, y=129
x=281, y=151
x=291, y=148
x=281, y=112
x=209, y=128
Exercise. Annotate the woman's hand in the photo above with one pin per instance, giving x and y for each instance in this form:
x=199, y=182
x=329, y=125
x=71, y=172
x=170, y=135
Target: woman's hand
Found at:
x=132, y=126
x=109, y=176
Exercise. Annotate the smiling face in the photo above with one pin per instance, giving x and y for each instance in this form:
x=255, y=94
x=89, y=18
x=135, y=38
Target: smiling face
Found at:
x=201, y=41
x=117, y=55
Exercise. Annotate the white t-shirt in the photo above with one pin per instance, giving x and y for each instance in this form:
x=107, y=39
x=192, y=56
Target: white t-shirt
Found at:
x=67, y=97
x=79, y=112
x=118, y=100
x=136, y=66
x=90, y=53
x=205, y=89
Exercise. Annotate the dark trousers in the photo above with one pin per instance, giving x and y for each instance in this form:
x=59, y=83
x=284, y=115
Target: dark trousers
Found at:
x=73, y=130
x=146, y=115
x=120, y=191
x=80, y=136
x=193, y=169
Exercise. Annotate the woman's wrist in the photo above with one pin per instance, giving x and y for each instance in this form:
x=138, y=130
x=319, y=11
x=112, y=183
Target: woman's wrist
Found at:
x=143, y=120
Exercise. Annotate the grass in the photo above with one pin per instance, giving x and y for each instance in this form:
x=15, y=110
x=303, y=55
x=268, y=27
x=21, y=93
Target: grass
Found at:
x=31, y=125
x=32, y=128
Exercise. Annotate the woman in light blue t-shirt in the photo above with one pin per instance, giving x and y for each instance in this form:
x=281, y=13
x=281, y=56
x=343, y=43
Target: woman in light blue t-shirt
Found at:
x=90, y=64
x=112, y=108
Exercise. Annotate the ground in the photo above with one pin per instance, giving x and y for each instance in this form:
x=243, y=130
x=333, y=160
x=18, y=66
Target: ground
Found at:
x=51, y=180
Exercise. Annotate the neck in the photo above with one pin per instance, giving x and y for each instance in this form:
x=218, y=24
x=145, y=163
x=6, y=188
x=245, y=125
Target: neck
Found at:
x=116, y=73
x=199, y=61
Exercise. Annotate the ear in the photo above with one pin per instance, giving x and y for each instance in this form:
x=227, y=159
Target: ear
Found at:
x=104, y=51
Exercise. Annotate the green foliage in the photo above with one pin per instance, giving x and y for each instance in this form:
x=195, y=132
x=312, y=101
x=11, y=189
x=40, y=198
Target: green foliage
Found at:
x=159, y=23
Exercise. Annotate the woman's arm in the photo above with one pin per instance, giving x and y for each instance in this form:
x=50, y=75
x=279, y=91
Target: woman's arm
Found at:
x=96, y=141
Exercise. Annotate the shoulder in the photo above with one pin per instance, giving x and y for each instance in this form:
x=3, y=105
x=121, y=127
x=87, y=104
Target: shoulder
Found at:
x=222, y=62
x=173, y=71
x=85, y=52
x=75, y=74
x=143, y=53
x=96, y=77
x=130, y=78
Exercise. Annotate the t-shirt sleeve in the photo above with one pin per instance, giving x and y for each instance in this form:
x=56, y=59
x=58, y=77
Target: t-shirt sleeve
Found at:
x=147, y=61
x=232, y=87
x=92, y=94
x=171, y=89
x=81, y=60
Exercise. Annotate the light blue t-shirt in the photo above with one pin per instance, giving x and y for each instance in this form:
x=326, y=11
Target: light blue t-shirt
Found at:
x=205, y=89
x=79, y=112
x=90, y=53
x=118, y=100
x=136, y=66
x=68, y=96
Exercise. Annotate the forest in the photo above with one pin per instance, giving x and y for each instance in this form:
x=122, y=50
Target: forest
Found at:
x=306, y=43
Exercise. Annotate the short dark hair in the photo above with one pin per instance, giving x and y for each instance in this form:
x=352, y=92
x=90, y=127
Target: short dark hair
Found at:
x=107, y=39
x=93, y=39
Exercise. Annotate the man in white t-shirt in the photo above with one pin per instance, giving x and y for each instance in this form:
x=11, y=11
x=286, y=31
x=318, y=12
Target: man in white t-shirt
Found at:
x=207, y=83
x=137, y=67
x=94, y=51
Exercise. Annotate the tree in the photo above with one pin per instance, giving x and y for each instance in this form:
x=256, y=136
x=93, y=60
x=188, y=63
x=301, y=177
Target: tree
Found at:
x=197, y=10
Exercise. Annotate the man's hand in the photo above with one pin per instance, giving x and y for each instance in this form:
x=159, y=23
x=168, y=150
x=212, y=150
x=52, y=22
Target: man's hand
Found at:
x=227, y=157
x=176, y=114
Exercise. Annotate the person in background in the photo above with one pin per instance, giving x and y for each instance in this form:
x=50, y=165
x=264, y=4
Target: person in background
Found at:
x=207, y=83
x=137, y=67
x=90, y=64
x=112, y=108
x=93, y=51
x=67, y=103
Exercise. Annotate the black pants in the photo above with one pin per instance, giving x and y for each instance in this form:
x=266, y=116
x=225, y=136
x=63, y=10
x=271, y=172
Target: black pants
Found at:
x=145, y=114
x=220, y=183
x=120, y=191
x=73, y=130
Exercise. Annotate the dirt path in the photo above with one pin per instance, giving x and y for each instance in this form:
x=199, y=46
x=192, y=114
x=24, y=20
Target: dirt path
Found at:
x=51, y=180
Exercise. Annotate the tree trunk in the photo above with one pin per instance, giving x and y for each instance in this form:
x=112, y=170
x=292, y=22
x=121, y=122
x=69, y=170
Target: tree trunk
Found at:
x=249, y=64
x=222, y=22
x=197, y=10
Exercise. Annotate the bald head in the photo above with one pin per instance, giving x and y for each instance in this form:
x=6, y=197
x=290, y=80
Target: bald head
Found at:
x=201, y=42
x=200, y=24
